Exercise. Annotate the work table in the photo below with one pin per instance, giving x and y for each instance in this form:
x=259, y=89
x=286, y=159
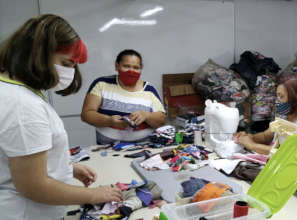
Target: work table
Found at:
x=111, y=169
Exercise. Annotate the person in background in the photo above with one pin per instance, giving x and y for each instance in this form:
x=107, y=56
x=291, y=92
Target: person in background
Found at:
x=286, y=108
x=123, y=107
x=36, y=171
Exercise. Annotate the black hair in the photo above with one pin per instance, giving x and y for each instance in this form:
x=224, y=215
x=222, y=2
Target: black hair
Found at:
x=128, y=52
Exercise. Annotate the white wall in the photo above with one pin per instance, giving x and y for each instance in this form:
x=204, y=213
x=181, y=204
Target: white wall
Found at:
x=13, y=13
x=266, y=26
x=186, y=34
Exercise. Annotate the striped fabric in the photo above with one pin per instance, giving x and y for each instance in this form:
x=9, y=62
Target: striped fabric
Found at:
x=117, y=101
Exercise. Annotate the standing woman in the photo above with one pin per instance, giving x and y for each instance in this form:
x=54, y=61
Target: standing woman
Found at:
x=111, y=99
x=35, y=165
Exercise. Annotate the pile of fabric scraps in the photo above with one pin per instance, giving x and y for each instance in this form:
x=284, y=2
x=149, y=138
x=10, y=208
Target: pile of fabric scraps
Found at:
x=166, y=135
x=245, y=167
x=136, y=196
x=182, y=157
x=180, y=161
x=163, y=136
x=200, y=189
x=195, y=124
x=78, y=154
x=213, y=81
x=185, y=160
x=191, y=127
x=198, y=152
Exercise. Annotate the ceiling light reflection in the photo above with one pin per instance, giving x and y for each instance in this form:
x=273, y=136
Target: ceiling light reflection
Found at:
x=123, y=21
x=151, y=11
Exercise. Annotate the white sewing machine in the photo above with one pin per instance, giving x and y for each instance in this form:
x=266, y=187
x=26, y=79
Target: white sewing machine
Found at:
x=221, y=123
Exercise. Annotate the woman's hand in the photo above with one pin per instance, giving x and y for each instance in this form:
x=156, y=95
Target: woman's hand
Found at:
x=236, y=136
x=139, y=116
x=245, y=140
x=118, y=122
x=103, y=194
x=84, y=174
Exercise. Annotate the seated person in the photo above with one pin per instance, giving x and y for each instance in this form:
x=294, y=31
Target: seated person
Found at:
x=110, y=98
x=286, y=108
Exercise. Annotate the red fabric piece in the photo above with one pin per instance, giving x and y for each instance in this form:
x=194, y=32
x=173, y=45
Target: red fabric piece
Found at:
x=176, y=168
x=77, y=50
x=174, y=159
x=142, y=126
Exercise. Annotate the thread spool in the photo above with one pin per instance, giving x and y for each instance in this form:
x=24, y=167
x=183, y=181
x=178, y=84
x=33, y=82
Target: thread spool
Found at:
x=241, y=208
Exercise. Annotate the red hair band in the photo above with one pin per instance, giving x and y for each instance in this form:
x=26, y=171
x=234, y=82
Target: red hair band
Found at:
x=77, y=50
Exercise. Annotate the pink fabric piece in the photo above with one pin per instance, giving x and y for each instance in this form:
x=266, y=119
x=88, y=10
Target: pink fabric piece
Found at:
x=123, y=186
x=257, y=158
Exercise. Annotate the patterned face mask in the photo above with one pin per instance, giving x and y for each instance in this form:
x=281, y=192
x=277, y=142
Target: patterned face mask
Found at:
x=282, y=109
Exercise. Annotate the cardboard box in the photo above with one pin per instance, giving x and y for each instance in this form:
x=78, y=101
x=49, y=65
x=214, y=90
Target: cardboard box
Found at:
x=179, y=96
x=183, y=89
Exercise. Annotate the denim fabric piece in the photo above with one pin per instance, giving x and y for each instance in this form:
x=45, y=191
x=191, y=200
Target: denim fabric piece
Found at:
x=191, y=186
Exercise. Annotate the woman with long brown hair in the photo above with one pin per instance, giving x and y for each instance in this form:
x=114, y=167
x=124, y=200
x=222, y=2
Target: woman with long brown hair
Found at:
x=36, y=171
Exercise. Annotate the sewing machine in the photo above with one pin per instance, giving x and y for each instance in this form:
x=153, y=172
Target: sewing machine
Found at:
x=221, y=123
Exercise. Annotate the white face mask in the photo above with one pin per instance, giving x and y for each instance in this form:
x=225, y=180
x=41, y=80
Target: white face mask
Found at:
x=66, y=75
